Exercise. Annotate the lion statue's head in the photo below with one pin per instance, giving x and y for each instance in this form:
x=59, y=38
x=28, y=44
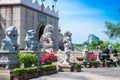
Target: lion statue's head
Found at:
x=30, y=36
x=11, y=34
x=48, y=28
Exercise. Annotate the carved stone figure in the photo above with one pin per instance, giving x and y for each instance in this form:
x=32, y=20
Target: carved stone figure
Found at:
x=68, y=47
x=31, y=44
x=10, y=41
x=46, y=39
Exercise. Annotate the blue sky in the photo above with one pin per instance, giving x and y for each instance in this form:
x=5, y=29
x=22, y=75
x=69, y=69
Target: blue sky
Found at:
x=84, y=17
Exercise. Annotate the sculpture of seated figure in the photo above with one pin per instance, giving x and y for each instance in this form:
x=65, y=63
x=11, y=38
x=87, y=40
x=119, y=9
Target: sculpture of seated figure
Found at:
x=31, y=44
x=68, y=46
x=46, y=39
x=10, y=41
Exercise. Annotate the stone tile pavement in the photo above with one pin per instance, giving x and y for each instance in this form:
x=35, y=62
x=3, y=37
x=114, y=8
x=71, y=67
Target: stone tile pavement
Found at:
x=86, y=74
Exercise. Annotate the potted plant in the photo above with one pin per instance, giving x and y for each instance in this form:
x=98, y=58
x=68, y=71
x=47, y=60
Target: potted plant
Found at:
x=77, y=67
x=106, y=63
x=28, y=59
x=93, y=64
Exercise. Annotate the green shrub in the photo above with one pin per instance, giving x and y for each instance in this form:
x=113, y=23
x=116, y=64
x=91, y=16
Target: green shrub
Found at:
x=19, y=71
x=47, y=67
x=28, y=59
x=52, y=67
x=93, y=62
x=107, y=61
x=32, y=70
x=77, y=66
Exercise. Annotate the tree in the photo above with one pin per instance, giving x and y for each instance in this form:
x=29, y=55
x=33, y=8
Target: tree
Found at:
x=113, y=30
x=104, y=45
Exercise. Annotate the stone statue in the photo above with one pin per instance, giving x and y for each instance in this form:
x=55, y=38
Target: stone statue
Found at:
x=31, y=44
x=10, y=41
x=68, y=46
x=46, y=39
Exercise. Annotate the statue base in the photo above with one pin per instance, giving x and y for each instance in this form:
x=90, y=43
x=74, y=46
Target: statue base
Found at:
x=8, y=60
x=65, y=68
x=5, y=75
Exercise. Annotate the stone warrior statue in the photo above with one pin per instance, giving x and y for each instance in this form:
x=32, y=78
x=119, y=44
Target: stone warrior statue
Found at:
x=68, y=46
x=10, y=40
x=31, y=44
x=46, y=39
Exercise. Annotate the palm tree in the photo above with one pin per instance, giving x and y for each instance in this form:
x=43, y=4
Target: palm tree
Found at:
x=113, y=30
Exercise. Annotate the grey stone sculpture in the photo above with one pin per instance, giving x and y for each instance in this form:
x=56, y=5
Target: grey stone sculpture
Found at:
x=46, y=39
x=31, y=44
x=68, y=46
x=10, y=41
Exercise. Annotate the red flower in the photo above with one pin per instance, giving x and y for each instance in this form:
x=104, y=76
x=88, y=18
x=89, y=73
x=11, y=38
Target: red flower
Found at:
x=49, y=57
x=92, y=57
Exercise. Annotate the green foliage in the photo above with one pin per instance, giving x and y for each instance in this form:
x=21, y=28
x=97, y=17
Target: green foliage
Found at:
x=116, y=46
x=28, y=59
x=93, y=62
x=19, y=71
x=47, y=67
x=31, y=70
x=22, y=71
x=96, y=43
x=79, y=46
x=77, y=66
x=113, y=30
x=104, y=45
x=107, y=61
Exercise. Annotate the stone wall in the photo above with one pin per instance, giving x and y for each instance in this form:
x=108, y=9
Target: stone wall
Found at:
x=25, y=18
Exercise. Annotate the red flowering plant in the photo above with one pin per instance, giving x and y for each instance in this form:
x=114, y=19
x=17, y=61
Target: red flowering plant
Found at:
x=49, y=58
x=92, y=57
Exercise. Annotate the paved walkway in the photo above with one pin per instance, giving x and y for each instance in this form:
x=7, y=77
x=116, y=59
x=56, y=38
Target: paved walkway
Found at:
x=86, y=74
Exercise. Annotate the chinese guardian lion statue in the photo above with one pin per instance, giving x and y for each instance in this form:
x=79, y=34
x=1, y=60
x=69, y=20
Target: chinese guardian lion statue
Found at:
x=31, y=44
x=10, y=41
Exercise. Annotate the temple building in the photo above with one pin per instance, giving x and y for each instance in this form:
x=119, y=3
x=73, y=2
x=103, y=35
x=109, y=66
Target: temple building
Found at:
x=27, y=15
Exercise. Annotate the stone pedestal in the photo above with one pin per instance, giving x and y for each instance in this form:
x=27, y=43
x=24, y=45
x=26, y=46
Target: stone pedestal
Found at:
x=5, y=75
x=73, y=55
x=65, y=68
x=8, y=59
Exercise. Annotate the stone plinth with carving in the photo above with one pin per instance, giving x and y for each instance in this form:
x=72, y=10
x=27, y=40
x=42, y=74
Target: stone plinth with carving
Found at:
x=8, y=60
x=72, y=56
x=9, y=49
